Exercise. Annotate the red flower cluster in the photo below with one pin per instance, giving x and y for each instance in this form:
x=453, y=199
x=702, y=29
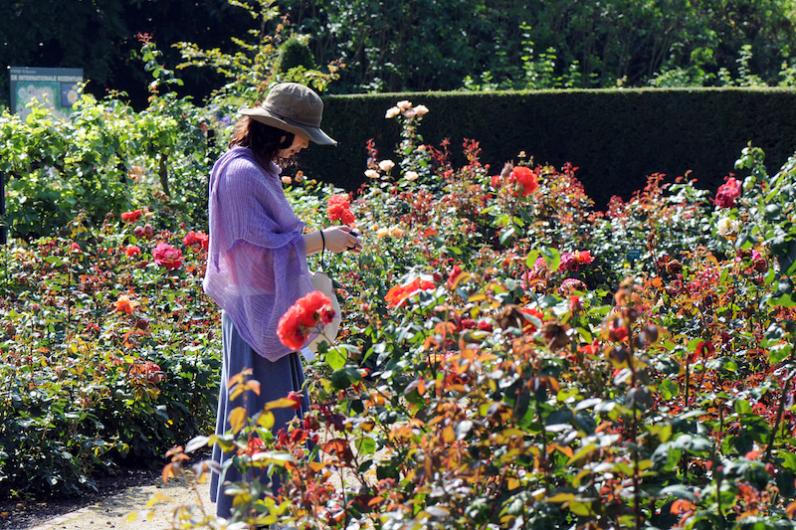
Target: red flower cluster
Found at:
x=398, y=294
x=125, y=305
x=167, y=256
x=302, y=317
x=572, y=261
x=759, y=262
x=131, y=217
x=339, y=209
x=253, y=446
x=132, y=250
x=196, y=240
x=728, y=193
x=149, y=371
x=455, y=272
x=526, y=180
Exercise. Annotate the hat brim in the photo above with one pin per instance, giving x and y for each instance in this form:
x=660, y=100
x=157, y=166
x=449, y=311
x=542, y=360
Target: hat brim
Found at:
x=315, y=134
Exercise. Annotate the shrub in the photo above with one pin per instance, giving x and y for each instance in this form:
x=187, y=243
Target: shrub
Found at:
x=615, y=137
x=106, y=357
x=294, y=53
x=508, y=362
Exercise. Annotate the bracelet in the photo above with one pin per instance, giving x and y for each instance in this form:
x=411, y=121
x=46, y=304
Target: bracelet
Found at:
x=323, y=239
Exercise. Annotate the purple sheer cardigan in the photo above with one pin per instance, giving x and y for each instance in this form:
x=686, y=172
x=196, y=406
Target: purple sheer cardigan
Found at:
x=257, y=261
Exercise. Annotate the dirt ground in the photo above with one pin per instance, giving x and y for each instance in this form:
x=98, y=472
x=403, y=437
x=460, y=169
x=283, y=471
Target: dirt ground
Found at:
x=112, y=511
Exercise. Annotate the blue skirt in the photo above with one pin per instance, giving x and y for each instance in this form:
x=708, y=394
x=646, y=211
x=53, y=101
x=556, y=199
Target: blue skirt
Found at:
x=277, y=380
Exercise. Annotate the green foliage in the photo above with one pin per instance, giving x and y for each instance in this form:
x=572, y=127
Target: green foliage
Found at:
x=442, y=45
x=56, y=168
x=420, y=44
x=106, y=157
x=255, y=64
x=294, y=53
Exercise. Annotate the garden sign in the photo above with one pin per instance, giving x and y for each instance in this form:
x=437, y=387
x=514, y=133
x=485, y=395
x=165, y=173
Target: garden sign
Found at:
x=55, y=87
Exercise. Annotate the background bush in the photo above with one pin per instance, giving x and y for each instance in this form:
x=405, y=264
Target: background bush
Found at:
x=616, y=137
x=426, y=44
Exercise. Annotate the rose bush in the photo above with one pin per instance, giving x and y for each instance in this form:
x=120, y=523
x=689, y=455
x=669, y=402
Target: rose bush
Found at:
x=106, y=357
x=511, y=358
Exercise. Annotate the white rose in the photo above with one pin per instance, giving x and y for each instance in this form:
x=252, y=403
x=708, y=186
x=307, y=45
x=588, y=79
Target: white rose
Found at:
x=421, y=110
x=410, y=175
x=372, y=174
x=286, y=180
x=727, y=226
x=392, y=112
x=404, y=105
x=386, y=165
x=409, y=113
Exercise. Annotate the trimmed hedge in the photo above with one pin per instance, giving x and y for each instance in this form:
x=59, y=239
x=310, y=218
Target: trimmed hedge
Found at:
x=616, y=136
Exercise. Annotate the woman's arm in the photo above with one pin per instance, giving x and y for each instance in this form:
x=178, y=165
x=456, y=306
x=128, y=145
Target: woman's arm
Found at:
x=337, y=239
x=313, y=242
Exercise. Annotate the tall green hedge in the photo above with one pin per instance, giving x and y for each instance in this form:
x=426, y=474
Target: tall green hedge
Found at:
x=615, y=136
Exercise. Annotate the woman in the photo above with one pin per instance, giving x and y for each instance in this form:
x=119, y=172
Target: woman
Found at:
x=257, y=266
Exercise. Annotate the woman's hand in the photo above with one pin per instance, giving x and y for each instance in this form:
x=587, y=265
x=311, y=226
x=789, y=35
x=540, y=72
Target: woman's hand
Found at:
x=341, y=238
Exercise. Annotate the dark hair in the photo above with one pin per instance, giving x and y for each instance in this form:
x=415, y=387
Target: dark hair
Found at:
x=264, y=140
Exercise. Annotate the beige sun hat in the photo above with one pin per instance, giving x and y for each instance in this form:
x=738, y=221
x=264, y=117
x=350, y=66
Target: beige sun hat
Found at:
x=294, y=108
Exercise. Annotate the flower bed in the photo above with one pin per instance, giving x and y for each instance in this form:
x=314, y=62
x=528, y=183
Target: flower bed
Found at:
x=512, y=359
x=109, y=354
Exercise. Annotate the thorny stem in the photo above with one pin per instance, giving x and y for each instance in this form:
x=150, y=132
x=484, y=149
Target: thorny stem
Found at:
x=543, y=459
x=716, y=462
x=687, y=382
x=780, y=410
x=634, y=431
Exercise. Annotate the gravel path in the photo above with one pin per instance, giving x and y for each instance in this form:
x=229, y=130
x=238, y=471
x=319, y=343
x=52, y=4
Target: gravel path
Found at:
x=113, y=511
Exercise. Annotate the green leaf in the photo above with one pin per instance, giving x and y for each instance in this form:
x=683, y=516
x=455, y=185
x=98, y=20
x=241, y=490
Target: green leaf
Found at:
x=336, y=357
x=552, y=257
x=531, y=258
x=506, y=235
x=365, y=445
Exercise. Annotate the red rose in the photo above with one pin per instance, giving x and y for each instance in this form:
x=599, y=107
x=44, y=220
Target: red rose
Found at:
x=302, y=317
x=131, y=217
x=398, y=294
x=728, y=193
x=526, y=180
x=132, y=250
x=339, y=209
x=455, y=272
x=167, y=256
x=196, y=240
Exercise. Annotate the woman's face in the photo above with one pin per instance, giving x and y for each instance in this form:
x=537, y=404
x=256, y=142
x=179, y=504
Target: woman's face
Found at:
x=300, y=141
